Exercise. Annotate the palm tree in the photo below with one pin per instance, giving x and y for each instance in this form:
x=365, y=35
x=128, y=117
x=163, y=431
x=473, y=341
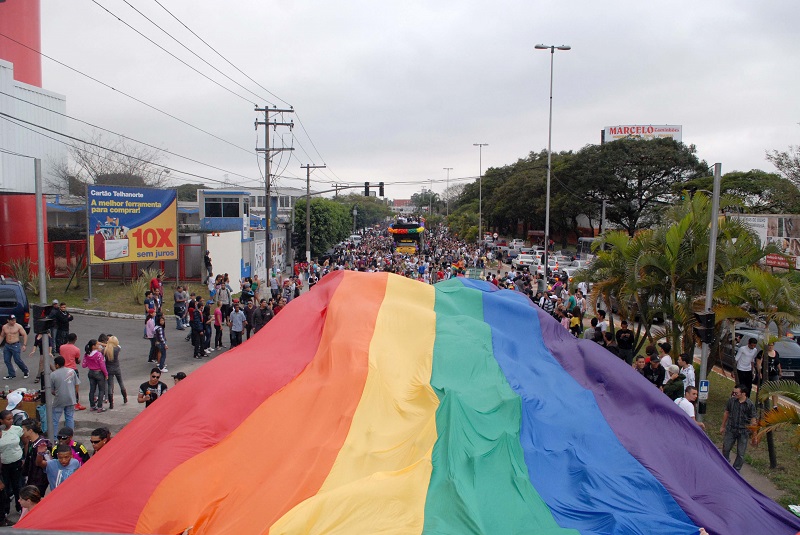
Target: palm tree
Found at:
x=768, y=299
x=781, y=416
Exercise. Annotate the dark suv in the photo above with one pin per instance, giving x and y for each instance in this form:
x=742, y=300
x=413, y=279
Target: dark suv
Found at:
x=14, y=301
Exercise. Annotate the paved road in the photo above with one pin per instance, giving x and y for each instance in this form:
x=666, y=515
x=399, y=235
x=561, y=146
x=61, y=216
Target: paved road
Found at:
x=135, y=368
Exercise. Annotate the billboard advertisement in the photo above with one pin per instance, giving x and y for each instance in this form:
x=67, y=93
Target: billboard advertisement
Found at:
x=638, y=131
x=781, y=230
x=131, y=224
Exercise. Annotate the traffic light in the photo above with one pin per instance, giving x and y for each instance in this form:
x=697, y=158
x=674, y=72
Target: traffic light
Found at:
x=366, y=189
x=41, y=322
x=704, y=329
x=380, y=189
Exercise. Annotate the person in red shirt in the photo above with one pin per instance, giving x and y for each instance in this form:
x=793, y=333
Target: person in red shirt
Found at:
x=155, y=284
x=72, y=357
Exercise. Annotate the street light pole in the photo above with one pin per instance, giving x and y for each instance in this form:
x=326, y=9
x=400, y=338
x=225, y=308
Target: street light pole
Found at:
x=480, y=188
x=447, y=187
x=552, y=49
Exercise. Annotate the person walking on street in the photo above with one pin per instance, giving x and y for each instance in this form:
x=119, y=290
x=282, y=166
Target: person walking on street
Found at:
x=62, y=319
x=249, y=310
x=149, y=332
x=111, y=354
x=218, y=327
x=11, y=334
x=740, y=414
x=98, y=375
x=152, y=389
x=161, y=343
x=72, y=357
x=745, y=357
x=180, y=307
x=237, y=323
x=262, y=315
x=62, y=385
x=198, y=329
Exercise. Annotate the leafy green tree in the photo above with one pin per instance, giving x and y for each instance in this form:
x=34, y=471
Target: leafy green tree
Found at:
x=755, y=191
x=369, y=210
x=188, y=192
x=636, y=177
x=787, y=162
x=331, y=223
x=781, y=416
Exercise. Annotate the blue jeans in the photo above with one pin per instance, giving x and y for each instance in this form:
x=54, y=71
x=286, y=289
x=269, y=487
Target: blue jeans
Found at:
x=163, y=361
x=69, y=417
x=10, y=350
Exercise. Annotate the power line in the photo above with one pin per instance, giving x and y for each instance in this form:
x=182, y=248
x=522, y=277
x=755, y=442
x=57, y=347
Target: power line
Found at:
x=17, y=121
x=151, y=21
x=127, y=137
x=248, y=151
x=231, y=91
x=226, y=60
x=11, y=152
x=220, y=55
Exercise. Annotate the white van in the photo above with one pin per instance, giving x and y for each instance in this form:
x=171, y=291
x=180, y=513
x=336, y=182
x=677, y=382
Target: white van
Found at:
x=355, y=238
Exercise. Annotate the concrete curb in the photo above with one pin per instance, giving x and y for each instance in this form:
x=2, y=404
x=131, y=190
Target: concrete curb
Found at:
x=106, y=314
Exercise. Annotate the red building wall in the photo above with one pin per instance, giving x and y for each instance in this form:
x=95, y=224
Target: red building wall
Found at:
x=20, y=20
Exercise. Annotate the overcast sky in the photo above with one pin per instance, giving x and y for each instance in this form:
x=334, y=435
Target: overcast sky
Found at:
x=396, y=91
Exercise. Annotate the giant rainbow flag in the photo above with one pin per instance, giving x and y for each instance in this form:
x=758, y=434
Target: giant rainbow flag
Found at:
x=376, y=404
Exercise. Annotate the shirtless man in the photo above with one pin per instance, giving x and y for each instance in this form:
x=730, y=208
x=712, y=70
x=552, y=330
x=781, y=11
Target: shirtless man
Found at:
x=11, y=333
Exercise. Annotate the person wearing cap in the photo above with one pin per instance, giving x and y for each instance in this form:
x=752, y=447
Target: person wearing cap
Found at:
x=236, y=322
x=64, y=437
x=11, y=334
x=178, y=377
x=249, y=312
x=17, y=414
x=654, y=371
x=673, y=388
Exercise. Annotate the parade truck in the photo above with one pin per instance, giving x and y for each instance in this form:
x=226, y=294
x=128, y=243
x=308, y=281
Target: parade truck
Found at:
x=408, y=235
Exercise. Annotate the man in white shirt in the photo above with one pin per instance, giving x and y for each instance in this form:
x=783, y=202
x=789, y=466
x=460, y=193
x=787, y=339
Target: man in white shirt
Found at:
x=685, y=363
x=744, y=365
x=686, y=403
x=666, y=361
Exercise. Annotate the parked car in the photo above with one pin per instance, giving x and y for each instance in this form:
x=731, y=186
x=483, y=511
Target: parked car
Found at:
x=523, y=260
x=13, y=300
x=787, y=348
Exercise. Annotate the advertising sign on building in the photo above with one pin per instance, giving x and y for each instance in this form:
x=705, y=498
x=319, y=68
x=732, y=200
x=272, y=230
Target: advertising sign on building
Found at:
x=783, y=231
x=638, y=131
x=131, y=224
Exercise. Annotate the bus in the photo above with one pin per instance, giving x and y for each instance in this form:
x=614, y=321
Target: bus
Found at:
x=408, y=235
x=585, y=251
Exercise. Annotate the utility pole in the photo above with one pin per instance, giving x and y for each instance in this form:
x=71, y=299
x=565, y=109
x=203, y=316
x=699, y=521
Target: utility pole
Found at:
x=267, y=150
x=603, y=218
x=430, y=200
x=41, y=265
x=480, y=189
x=447, y=188
x=308, y=168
